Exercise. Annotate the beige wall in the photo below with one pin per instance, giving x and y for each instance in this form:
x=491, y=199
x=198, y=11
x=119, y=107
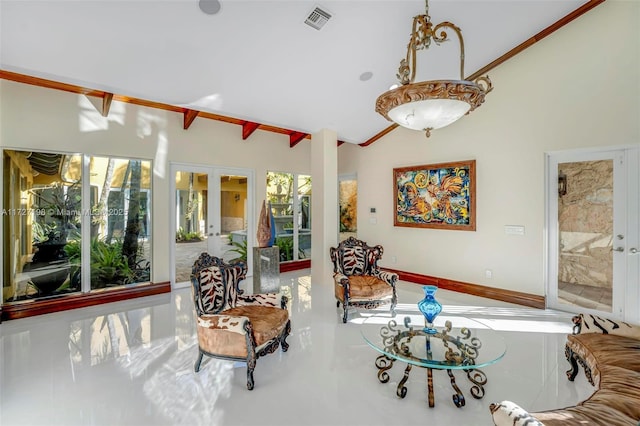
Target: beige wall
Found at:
x=578, y=88
x=44, y=119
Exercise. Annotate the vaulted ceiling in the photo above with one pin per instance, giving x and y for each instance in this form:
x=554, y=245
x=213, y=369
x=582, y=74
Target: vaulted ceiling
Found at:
x=256, y=63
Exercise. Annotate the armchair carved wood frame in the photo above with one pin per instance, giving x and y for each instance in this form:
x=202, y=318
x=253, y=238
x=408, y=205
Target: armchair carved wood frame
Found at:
x=358, y=281
x=230, y=325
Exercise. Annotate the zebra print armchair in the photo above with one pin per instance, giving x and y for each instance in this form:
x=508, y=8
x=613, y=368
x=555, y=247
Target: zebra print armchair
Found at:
x=233, y=326
x=358, y=281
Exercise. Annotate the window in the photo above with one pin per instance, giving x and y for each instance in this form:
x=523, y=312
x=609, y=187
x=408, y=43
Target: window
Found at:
x=73, y=223
x=290, y=198
x=348, y=201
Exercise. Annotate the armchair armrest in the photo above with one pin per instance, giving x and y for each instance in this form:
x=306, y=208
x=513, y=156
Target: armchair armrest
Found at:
x=507, y=413
x=341, y=279
x=276, y=300
x=588, y=323
x=388, y=277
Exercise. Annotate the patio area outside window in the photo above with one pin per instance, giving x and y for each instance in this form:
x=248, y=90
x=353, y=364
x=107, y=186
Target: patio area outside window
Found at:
x=73, y=223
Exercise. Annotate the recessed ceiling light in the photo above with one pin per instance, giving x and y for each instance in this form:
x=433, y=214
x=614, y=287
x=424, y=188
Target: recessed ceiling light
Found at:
x=210, y=7
x=366, y=76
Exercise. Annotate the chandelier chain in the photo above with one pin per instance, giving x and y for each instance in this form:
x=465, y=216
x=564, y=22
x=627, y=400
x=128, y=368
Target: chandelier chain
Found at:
x=422, y=33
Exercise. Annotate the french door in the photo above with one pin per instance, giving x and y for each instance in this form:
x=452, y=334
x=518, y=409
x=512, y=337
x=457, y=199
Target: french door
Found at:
x=593, y=233
x=212, y=211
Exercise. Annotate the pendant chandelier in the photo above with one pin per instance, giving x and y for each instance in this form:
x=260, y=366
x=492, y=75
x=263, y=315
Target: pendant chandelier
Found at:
x=433, y=104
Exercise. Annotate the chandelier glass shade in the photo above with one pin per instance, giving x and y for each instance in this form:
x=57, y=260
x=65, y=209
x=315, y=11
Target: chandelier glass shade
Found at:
x=433, y=104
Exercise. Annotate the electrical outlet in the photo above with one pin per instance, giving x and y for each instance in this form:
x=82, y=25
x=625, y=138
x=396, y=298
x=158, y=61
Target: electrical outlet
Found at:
x=488, y=273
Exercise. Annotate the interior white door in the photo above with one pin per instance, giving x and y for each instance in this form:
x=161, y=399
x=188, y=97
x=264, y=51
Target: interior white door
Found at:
x=591, y=235
x=632, y=294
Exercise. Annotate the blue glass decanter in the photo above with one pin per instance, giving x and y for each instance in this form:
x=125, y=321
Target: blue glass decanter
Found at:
x=430, y=307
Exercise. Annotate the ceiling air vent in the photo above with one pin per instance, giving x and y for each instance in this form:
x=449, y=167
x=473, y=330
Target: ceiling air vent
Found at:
x=317, y=18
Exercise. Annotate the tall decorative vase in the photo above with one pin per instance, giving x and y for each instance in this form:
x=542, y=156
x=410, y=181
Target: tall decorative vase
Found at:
x=264, y=227
x=430, y=307
x=272, y=223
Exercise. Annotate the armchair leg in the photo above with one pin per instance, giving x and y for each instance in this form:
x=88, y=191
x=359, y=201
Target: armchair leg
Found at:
x=198, y=361
x=249, y=378
x=344, y=308
x=394, y=302
x=251, y=365
x=571, y=357
x=283, y=337
x=345, y=303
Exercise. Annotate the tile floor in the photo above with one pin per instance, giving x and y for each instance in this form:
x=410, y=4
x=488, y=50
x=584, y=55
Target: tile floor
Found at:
x=590, y=297
x=131, y=363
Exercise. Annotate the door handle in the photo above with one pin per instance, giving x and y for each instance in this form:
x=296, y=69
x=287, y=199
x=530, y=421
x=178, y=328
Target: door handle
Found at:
x=633, y=250
x=620, y=249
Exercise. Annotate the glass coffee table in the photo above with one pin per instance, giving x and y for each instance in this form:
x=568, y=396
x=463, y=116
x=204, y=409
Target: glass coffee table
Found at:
x=454, y=343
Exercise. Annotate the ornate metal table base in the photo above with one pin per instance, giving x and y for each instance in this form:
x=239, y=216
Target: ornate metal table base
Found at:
x=475, y=376
x=460, y=351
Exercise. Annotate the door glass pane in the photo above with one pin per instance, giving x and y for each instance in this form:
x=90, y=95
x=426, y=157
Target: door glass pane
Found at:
x=191, y=220
x=233, y=217
x=585, y=223
x=41, y=219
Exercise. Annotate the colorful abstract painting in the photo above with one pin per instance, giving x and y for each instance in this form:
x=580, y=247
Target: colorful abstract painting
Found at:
x=436, y=196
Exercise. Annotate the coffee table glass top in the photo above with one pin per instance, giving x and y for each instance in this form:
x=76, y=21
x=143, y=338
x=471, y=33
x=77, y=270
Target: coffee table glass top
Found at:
x=458, y=342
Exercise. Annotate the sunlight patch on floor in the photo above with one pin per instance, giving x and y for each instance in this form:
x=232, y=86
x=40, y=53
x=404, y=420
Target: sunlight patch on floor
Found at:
x=519, y=319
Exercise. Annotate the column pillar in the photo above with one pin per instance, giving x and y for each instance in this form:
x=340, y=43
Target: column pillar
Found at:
x=324, y=210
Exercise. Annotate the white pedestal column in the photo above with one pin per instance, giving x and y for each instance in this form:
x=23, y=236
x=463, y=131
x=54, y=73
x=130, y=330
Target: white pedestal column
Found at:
x=324, y=211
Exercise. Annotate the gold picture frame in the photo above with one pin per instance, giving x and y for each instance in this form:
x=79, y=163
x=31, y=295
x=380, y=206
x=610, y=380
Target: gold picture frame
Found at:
x=441, y=196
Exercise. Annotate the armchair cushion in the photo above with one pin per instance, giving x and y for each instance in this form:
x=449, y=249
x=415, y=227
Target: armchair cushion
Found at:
x=596, y=349
x=508, y=413
x=223, y=334
x=268, y=323
x=367, y=287
x=586, y=413
x=619, y=390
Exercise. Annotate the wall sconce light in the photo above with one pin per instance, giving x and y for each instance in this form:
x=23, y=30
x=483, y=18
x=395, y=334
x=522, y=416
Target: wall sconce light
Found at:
x=562, y=184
